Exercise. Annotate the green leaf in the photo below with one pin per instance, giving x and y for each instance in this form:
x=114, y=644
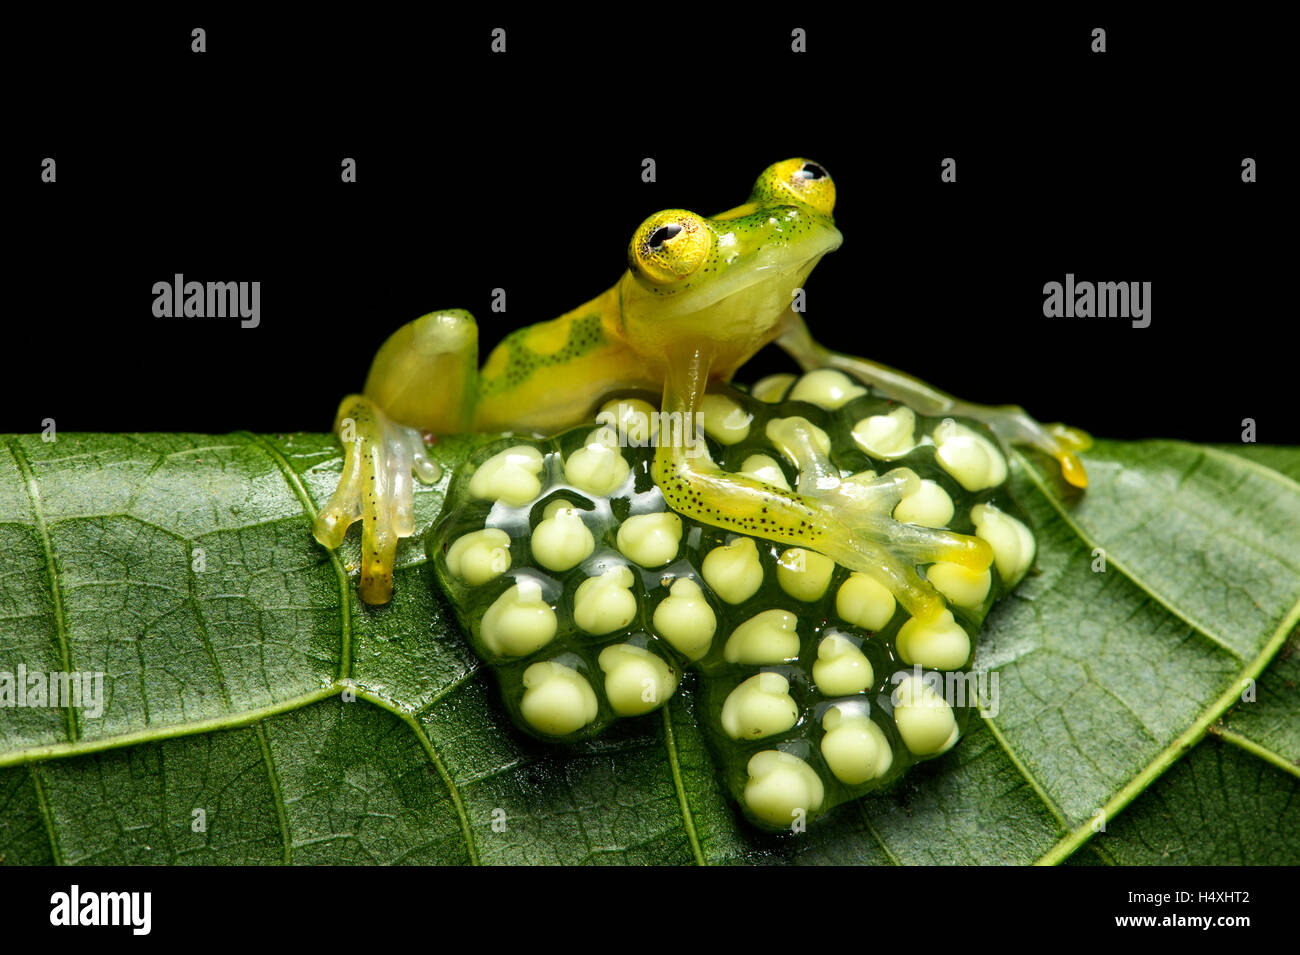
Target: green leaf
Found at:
x=227, y=688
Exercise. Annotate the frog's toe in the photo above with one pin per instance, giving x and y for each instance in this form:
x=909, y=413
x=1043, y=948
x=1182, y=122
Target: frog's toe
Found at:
x=344, y=506
x=1013, y=426
x=884, y=526
x=891, y=550
x=378, y=554
x=376, y=487
x=1067, y=441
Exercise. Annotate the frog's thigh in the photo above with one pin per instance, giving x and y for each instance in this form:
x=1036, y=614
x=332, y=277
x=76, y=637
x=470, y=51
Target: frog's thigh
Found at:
x=853, y=528
x=426, y=374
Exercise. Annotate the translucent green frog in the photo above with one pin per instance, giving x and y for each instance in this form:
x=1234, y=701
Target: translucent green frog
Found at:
x=701, y=296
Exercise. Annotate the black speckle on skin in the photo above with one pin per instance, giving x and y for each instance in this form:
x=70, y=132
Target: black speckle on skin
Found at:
x=585, y=335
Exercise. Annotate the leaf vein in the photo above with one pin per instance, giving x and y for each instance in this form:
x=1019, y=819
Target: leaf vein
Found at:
x=309, y=508
x=47, y=817
x=277, y=796
x=1024, y=771
x=431, y=751
x=52, y=572
x=1113, y=561
x=1241, y=741
x=683, y=802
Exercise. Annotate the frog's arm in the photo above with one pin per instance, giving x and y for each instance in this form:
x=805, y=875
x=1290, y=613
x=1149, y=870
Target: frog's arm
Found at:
x=424, y=378
x=850, y=522
x=1010, y=423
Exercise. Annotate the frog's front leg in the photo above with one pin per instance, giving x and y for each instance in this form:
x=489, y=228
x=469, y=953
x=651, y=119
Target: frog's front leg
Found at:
x=422, y=379
x=849, y=521
x=1010, y=423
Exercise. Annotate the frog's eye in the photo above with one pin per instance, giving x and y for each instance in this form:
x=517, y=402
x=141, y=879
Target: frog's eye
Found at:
x=669, y=246
x=799, y=179
x=810, y=170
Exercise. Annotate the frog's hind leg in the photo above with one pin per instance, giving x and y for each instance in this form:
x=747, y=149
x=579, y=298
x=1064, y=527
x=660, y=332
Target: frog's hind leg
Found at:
x=865, y=504
x=422, y=379
x=1010, y=423
x=848, y=521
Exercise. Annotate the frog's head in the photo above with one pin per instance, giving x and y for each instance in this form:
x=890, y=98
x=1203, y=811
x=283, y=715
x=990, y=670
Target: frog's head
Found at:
x=727, y=280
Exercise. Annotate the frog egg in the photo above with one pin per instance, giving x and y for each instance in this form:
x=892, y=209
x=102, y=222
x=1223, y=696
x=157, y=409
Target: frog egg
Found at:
x=605, y=603
x=557, y=700
x=519, y=621
x=758, y=707
x=733, y=570
x=1012, y=542
x=764, y=639
x=854, y=747
x=941, y=644
x=512, y=476
x=790, y=434
x=650, y=540
x=804, y=574
x=971, y=458
x=597, y=467
x=781, y=787
x=724, y=419
x=479, y=556
x=961, y=585
x=685, y=619
x=864, y=602
x=771, y=389
x=562, y=541
x=827, y=388
x=762, y=467
x=887, y=436
x=636, y=681
x=633, y=418
x=929, y=505
x=924, y=720
x=841, y=668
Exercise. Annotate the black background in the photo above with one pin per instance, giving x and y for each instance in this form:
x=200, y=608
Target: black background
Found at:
x=522, y=171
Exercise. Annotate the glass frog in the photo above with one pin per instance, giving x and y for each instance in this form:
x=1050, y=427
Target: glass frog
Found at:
x=701, y=295
x=821, y=550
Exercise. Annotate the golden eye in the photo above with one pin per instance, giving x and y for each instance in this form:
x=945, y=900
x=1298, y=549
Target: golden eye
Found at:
x=800, y=180
x=669, y=246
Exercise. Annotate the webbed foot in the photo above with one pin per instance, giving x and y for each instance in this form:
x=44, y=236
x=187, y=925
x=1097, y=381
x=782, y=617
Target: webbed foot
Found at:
x=375, y=488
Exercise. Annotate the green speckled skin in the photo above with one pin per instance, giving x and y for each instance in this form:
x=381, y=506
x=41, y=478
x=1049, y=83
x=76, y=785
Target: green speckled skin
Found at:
x=585, y=336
